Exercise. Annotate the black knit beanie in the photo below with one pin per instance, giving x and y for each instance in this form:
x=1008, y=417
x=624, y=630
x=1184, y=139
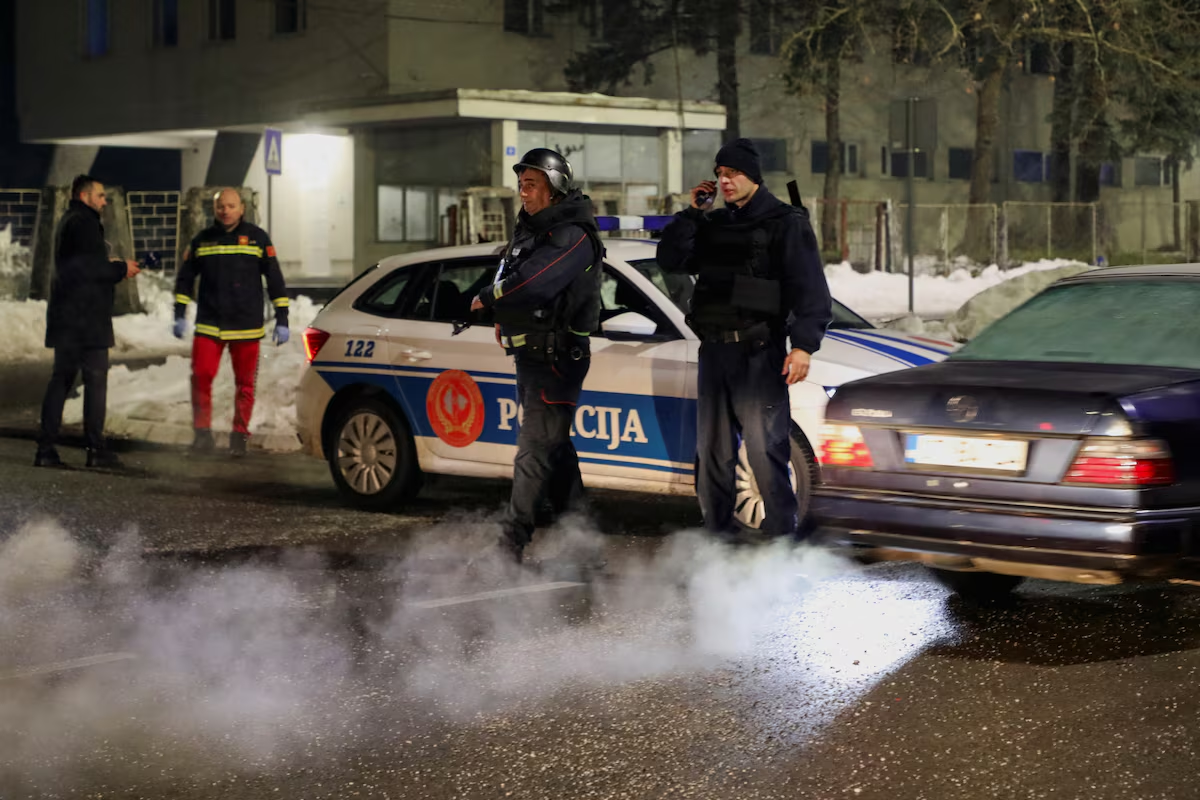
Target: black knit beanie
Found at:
x=742, y=155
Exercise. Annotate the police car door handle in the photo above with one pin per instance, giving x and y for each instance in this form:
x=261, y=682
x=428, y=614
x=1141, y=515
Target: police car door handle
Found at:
x=416, y=355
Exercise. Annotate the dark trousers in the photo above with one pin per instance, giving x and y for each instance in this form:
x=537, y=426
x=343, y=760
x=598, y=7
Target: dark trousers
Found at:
x=68, y=363
x=546, y=467
x=743, y=397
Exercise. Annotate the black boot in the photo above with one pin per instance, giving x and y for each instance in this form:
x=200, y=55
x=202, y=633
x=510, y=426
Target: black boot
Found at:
x=203, y=443
x=47, y=457
x=237, y=444
x=510, y=550
x=103, y=459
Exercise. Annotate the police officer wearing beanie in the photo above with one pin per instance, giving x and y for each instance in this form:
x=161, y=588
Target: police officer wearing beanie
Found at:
x=546, y=302
x=759, y=283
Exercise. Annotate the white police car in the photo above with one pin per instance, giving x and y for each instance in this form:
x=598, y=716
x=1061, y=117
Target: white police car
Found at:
x=391, y=394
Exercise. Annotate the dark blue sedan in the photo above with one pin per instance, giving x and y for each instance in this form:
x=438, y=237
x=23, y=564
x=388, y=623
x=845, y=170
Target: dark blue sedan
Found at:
x=1063, y=442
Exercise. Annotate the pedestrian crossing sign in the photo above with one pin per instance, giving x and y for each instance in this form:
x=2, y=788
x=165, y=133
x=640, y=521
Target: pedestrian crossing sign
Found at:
x=273, y=151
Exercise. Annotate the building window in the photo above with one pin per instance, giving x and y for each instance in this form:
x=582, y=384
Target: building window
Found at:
x=1110, y=173
x=166, y=23
x=222, y=20
x=523, y=16
x=291, y=16
x=602, y=17
x=899, y=165
x=95, y=28
x=413, y=213
x=961, y=159
x=772, y=154
x=820, y=158
x=1039, y=59
x=764, y=26
x=1029, y=166
x=1149, y=171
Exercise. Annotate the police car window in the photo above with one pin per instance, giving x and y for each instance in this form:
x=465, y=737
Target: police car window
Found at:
x=618, y=296
x=447, y=298
x=844, y=318
x=386, y=296
x=675, y=286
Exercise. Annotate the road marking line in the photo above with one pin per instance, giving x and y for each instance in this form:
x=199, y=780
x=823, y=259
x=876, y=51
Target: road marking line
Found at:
x=497, y=593
x=64, y=666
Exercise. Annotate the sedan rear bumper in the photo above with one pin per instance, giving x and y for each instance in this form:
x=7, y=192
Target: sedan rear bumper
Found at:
x=1080, y=545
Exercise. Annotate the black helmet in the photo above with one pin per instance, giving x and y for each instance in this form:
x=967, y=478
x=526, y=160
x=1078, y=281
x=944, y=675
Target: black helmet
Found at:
x=557, y=168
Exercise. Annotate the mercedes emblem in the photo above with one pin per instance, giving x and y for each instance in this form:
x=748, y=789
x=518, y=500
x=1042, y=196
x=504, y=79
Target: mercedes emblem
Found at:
x=962, y=408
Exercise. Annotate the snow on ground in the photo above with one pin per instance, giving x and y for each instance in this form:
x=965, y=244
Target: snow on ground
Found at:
x=136, y=335
x=154, y=403
x=884, y=295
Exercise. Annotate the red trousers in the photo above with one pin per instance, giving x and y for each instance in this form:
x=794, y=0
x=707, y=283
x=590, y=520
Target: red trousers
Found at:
x=206, y=358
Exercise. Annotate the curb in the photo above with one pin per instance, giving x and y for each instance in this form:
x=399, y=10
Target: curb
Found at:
x=133, y=435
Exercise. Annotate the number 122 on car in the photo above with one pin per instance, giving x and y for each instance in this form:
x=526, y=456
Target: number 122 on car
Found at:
x=359, y=348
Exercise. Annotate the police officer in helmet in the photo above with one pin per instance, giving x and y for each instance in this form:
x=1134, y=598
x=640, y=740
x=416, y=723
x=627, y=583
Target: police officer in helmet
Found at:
x=759, y=284
x=546, y=302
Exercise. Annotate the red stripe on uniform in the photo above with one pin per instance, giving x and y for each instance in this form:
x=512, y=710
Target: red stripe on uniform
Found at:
x=548, y=266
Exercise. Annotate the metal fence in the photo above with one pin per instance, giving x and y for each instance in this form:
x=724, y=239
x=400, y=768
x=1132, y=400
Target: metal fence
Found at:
x=858, y=232
x=947, y=233
x=870, y=234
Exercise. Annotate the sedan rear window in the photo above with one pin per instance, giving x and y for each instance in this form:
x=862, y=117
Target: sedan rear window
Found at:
x=1134, y=322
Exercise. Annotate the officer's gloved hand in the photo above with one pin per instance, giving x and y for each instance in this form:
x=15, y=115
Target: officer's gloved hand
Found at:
x=281, y=334
x=179, y=327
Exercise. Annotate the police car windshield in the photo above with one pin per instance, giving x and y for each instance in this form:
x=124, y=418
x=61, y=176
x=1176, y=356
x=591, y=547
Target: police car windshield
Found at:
x=679, y=289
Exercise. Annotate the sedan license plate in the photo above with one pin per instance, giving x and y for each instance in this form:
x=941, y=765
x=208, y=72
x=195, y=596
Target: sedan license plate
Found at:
x=966, y=452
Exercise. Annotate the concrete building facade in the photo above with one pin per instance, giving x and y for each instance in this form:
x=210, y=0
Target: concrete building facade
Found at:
x=389, y=109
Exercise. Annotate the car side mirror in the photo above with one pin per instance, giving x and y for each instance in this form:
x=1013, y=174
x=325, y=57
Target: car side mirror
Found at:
x=629, y=326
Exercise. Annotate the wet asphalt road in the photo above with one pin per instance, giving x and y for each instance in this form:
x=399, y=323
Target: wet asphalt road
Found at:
x=228, y=630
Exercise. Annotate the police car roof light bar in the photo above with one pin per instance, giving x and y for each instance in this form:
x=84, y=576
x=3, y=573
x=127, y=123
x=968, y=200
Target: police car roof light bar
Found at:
x=624, y=223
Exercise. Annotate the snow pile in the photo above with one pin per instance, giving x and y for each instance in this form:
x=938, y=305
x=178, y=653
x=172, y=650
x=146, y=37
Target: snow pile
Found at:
x=24, y=336
x=147, y=335
x=991, y=304
x=884, y=295
x=14, y=266
x=150, y=334
x=154, y=404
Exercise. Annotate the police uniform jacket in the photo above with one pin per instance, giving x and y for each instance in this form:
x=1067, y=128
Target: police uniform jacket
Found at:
x=230, y=267
x=551, y=275
x=79, y=313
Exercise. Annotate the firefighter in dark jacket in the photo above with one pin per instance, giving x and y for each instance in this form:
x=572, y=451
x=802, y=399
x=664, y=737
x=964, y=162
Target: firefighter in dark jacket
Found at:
x=231, y=258
x=79, y=323
x=546, y=303
x=760, y=282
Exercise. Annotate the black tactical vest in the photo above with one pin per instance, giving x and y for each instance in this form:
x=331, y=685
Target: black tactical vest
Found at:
x=736, y=283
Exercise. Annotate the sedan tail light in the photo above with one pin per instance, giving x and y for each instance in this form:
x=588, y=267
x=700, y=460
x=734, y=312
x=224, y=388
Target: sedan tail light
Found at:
x=1124, y=462
x=844, y=446
x=314, y=340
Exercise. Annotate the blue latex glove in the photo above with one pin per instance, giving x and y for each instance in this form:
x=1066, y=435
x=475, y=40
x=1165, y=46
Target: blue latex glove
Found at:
x=281, y=334
x=179, y=327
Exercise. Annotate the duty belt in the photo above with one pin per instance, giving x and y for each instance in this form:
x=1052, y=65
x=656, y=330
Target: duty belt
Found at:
x=759, y=330
x=544, y=345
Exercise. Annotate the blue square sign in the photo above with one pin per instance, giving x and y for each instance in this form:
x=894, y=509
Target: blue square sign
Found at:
x=273, y=151
x=510, y=151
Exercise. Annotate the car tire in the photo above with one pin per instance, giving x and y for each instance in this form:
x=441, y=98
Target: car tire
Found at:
x=977, y=587
x=372, y=456
x=748, y=508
